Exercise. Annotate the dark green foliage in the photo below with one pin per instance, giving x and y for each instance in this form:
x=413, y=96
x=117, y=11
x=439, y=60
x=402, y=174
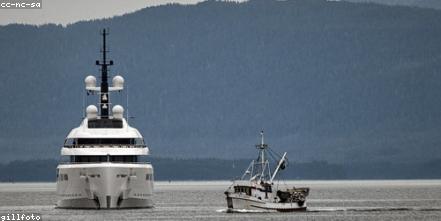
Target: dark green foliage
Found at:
x=333, y=81
x=25, y=171
x=218, y=169
x=415, y=3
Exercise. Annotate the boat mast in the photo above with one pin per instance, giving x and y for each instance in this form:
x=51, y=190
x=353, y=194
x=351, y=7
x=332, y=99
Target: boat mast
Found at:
x=104, y=95
x=262, y=148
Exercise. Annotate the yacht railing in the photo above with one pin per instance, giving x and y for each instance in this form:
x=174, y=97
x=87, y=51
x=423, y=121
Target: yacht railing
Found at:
x=105, y=146
x=104, y=162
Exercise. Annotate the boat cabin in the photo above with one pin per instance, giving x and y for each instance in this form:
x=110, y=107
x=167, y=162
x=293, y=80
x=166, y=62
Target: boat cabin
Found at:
x=243, y=189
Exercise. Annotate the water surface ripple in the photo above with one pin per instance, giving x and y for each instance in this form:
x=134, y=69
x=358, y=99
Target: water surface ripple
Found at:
x=329, y=200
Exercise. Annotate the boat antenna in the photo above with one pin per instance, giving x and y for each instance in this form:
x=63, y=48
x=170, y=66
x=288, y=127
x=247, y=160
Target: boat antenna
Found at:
x=127, y=104
x=262, y=146
x=262, y=161
x=84, y=105
x=104, y=95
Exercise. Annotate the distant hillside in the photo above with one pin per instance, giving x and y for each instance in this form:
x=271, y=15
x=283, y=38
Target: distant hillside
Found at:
x=219, y=169
x=334, y=81
x=436, y=4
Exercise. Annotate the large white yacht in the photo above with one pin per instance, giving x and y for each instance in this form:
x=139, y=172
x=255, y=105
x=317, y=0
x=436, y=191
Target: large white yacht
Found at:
x=104, y=169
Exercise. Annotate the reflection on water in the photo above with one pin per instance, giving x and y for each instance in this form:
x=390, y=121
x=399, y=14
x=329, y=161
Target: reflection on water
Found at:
x=337, y=209
x=328, y=200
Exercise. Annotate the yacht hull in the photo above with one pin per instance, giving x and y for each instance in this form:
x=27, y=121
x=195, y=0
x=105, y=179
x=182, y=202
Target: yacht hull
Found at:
x=105, y=185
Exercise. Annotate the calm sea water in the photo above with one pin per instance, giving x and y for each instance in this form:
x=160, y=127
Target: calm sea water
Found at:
x=328, y=200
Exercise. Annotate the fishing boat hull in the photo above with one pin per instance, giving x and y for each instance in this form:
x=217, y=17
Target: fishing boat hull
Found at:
x=255, y=204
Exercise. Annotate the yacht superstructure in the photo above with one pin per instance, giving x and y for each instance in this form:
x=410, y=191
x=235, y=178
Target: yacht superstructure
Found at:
x=104, y=169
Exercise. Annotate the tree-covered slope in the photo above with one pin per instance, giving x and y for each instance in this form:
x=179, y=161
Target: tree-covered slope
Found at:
x=331, y=81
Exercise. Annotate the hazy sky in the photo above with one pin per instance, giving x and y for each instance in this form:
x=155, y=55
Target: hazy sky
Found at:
x=70, y=11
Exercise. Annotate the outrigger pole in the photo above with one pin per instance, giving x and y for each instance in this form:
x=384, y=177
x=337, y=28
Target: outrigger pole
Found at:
x=281, y=162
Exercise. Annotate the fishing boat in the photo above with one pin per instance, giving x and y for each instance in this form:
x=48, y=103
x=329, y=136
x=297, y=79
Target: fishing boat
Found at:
x=256, y=191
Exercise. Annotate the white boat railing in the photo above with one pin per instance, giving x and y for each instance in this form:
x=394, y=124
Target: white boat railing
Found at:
x=106, y=146
x=103, y=162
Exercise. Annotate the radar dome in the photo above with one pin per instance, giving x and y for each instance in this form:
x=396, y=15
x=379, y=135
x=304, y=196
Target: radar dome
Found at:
x=91, y=112
x=118, y=81
x=90, y=82
x=118, y=111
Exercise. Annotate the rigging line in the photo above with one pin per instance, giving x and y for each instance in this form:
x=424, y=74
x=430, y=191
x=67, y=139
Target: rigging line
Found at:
x=275, y=159
x=277, y=154
x=258, y=157
x=272, y=155
x=279, y=157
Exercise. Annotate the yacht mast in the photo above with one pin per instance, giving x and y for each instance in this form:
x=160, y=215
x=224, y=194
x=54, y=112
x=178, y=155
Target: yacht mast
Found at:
x=104, y=95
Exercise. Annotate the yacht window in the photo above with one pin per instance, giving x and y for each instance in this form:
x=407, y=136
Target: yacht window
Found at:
x=105, y=123
x=69, y=142
x=139, y=141
x=123, y=159
x=98, y=141
x=99, y=159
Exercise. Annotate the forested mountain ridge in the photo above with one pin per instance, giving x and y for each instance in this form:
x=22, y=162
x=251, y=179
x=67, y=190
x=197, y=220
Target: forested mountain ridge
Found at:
x=436, y=4
x=333, y=81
